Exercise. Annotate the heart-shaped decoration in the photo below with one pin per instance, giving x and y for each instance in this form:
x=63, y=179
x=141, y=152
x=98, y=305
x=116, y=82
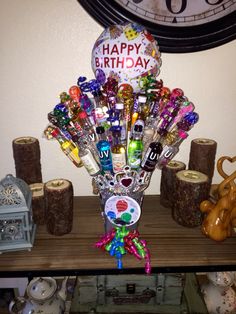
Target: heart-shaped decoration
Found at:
x=220, y=163
x=121, y=205
x=126, y=182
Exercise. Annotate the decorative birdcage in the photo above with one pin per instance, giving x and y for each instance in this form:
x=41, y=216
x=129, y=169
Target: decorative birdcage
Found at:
x=17, y=230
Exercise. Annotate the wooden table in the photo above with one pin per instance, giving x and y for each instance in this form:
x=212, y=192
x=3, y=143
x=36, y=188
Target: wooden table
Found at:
x=173, y=248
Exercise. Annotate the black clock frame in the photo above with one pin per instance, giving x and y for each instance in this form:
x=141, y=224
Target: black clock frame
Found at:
x=170, y=39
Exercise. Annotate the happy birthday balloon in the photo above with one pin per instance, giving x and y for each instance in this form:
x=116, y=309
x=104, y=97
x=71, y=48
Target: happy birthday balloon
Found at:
x=126, y=52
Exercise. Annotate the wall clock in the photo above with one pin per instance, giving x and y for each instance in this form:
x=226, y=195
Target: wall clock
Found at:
x=177, y=25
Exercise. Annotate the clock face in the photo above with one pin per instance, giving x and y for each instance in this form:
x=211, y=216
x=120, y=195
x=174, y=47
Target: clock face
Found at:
x=179, y=12
x=177, y=25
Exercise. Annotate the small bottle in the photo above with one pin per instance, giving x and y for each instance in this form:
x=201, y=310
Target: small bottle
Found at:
x=148, y=136
x=100, y=109
x=74, y=131
x=123, y=136
x=151, y=157
x=83, y=139
x=87, y=125
x=68, y=148
x=88, y=160
x=104, y=150
x=86, y=132
x=138, y=114
x=139, y=117
x=113, y=119
x=98, y=98
x=144, y=107
x=135, y=148
x=118, y=152
x=169, y=151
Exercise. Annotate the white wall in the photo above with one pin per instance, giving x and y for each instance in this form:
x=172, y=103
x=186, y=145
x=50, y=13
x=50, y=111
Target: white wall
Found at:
x=46, y=45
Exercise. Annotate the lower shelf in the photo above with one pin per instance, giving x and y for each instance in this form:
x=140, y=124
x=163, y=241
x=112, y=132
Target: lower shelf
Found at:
x=176, y=293
x=162, y=293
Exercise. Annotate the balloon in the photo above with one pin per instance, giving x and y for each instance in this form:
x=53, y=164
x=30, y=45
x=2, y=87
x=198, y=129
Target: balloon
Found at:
x=127, y=53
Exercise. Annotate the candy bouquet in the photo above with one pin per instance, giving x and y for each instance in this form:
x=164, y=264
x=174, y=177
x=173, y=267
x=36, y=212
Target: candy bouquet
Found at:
x=121, y=126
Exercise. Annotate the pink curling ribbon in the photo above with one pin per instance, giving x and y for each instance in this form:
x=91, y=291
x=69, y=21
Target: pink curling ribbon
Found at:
x=119, y=241
x=130, y=247
x=105, y=239
x=148, y=267
x=133, y=234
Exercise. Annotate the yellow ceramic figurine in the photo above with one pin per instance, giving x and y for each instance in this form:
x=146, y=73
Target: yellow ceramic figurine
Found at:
x=220, y=216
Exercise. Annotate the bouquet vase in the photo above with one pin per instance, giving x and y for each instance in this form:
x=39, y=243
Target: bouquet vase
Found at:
x=121, y=210
x=121, y=197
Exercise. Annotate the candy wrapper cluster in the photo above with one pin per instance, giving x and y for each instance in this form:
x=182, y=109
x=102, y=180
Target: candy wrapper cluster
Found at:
x=118, y=134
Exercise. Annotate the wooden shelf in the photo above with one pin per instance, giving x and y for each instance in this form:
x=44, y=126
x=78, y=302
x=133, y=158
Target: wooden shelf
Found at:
x=173, y=248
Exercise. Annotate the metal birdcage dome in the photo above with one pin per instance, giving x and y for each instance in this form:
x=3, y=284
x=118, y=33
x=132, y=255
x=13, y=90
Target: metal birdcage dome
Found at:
x=15, y=194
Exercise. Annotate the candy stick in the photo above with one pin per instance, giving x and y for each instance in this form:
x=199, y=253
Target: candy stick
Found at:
x=110, y=89
x=75, y=93
x=187, y=107
x=167, y=116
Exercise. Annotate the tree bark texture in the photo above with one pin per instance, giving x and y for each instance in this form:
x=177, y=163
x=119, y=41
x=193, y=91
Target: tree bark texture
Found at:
x=202, y=156
x=38, y=203
x=59, y=206
x=168, y=178
x=26, y=153
x=191, y=188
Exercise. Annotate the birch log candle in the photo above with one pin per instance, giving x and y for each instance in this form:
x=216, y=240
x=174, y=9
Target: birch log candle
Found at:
x=191, y=188
x=168, y=178
x=59, y=206
x=26, y=153
x=202, y=156
x=38, y=203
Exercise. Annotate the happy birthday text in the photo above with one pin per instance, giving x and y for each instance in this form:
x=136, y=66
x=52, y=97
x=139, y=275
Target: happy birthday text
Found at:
x=111, y=56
